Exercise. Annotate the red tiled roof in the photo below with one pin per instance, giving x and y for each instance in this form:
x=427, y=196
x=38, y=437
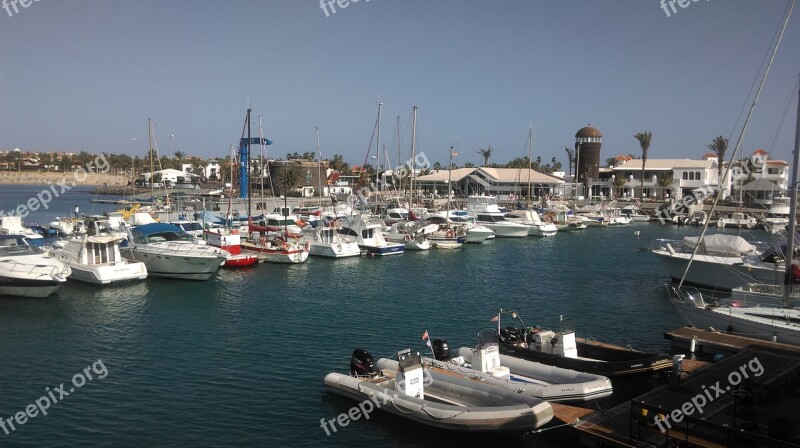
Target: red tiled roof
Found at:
x=760, y=151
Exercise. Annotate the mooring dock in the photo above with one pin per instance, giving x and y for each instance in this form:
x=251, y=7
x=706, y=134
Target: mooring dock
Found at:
x=748, y=398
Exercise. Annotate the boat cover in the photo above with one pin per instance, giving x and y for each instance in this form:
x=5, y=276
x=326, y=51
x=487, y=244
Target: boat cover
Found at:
x=720, y=244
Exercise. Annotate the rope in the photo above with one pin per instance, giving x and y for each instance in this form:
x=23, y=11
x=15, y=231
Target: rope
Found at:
x=537, y=431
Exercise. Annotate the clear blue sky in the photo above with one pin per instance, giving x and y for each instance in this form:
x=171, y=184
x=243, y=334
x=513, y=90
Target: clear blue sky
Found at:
x=86, y=74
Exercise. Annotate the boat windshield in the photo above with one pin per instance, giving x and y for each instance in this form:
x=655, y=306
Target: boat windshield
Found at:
x=487, y=337
x=161, y=237
x=17, y=246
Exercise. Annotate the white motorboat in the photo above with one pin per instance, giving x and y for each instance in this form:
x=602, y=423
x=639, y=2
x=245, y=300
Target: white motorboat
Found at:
x=12, y=225
x=326, y=241
x=475, y=233
x=777, y=324
x=368, y=233
x=722, y=262
x=414, y=235
x=531, y=218
x=67, y=226
x=565, y=220
x=407, y=389
x=97, y=260
x=501, y=227
x=634, y=214
x=485, y=363
x=277, y=249
x=27, y=271
x=737, y=219
x=167, y=251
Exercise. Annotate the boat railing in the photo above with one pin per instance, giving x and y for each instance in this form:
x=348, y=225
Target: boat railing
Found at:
x=29, y=268
x=187, y=247
x=688, y=295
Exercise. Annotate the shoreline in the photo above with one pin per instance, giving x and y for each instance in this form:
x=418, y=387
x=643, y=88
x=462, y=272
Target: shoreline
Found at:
x=48, y=178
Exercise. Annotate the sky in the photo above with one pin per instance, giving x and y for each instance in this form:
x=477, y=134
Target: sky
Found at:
x=87, y=74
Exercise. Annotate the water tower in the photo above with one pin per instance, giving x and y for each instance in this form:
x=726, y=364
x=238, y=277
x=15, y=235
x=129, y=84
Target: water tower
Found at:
x=587, y=153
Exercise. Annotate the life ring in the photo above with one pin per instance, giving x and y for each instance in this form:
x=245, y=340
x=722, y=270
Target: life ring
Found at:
x=407, y=238
x=450, y=234
x=308, y=246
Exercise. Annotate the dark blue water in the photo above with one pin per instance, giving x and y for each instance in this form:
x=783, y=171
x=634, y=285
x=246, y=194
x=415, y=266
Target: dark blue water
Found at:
x=239, y=360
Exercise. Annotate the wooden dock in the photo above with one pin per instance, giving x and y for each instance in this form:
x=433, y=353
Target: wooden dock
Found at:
x=748, y=398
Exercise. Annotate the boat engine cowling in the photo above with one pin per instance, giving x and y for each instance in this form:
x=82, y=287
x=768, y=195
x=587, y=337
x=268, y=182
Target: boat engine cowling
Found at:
x=441, y=350
x=362, y=364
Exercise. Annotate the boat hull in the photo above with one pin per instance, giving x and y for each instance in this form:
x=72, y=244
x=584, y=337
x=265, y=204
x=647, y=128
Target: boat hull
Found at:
x=175, y=265
x=718, y=272
x=334, y=250
x=38, y=289
x=390, y=249
x=105, y=275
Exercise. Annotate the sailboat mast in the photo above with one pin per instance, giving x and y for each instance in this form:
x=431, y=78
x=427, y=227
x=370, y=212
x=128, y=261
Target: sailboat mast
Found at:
x=319, y=169
x=378, y=150
x=397, y=131
x=244, y=178
x=150, y=153
x=413, y=151
x=792, y=206
x=261, y=162
x=530, y=151
x=449, y=178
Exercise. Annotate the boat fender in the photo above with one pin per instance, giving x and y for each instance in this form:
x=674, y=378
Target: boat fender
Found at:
x=450, y=234
x=307, y=245
x=262, y=241
x=407, y=238
x=670, y=249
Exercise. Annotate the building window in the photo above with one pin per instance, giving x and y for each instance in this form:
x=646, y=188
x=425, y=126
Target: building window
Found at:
x=685, y=175
x=697, y=175
x=691, y=176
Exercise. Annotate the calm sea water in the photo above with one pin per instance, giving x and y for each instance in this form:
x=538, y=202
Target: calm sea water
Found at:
x=239, y=360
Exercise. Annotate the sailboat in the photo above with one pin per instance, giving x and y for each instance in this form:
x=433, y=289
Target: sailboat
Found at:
x=324, y=239
x=778, y=324
x=528, y=216
x=283, y=248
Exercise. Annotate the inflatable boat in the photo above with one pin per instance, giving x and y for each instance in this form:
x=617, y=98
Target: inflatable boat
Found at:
x=439, y=399
x=549, y=383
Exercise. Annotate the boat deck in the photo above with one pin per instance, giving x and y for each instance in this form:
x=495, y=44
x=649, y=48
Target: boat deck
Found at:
x=752, y=411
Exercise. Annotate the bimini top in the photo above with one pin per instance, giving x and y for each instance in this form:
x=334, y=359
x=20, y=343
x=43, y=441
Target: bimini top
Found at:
x=157, y=227
x=159, y=232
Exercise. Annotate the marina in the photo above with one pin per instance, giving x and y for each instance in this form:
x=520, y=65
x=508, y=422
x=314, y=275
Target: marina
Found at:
x=158, y=328
x=402, y=224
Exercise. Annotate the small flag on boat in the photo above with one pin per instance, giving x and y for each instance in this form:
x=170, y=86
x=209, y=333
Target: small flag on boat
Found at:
x=455, y=154
x=496, y=318
x=425, y=335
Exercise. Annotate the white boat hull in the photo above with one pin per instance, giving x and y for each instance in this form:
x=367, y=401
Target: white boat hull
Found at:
x=507, y=231
x=105, y=275
x=175, y=265
x=735, y=321
x=334, y=250
x=718, y=272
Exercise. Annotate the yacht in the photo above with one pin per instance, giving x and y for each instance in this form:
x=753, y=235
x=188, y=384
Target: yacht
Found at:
x=722, y=262
x=27, y=271
x=531, y=218
x=326, y=241
x=737, y=219
x=67, y=226
x=414, y=235
x=97, y=260
x=167, y=251
x=776, y=324
x=12, y=225
x=367, y=232
x=277, y=249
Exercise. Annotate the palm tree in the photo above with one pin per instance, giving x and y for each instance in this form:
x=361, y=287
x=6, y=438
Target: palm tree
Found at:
x=570, y=157
x=664, y=182
x=180, y=156
x=485, y=153
x=290, y=178
x=611, y=162
x=618, y=183
x=644, y=142
x=719, y=145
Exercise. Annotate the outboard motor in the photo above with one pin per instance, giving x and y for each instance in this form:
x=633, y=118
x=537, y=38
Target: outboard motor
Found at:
x=362, y=364
x=441, y=350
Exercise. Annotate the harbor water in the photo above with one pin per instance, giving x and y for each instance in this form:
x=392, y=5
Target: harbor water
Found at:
x=239, y=360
